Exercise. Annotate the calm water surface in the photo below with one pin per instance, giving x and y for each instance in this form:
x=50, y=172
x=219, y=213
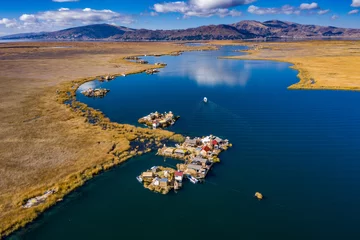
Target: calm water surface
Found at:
x=299, y=148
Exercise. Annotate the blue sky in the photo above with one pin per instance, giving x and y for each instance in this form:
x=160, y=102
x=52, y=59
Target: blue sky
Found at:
x=48, y=15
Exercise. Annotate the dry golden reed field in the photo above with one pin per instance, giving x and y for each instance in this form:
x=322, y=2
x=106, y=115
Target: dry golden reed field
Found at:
x=321, y=64
x=45, y=144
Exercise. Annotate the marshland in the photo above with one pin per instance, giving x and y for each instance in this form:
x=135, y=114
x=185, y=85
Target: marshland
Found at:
x=289, y=145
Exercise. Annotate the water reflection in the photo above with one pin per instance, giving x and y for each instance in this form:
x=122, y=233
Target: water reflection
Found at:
x=211, y=71
x=210, y=74
x=87, y=85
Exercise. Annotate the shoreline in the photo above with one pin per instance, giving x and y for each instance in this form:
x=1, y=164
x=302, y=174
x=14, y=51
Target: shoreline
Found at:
x=307, y=77
x=67, y=92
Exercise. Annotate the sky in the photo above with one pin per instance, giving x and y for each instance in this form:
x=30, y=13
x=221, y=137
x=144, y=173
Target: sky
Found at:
x=17, y=16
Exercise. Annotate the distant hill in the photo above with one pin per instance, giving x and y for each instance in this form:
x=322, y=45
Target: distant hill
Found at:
x=240, y=30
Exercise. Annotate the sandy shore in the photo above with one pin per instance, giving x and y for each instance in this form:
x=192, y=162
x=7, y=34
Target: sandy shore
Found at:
x=47, y=145
x=321, y=64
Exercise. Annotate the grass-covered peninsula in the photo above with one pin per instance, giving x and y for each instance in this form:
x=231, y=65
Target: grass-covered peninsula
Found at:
x=321, y=64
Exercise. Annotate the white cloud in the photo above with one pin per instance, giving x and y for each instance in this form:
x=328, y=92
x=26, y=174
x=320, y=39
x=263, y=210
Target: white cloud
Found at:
x=154, y=14
x=286, y=9
x=61, y=1
x=334, y=17
x=355, y=3
x=355, y=11
x=309, y=6
x=64, y=17
x=211, y=4
x=9, y=23
x=202, y=8
x=322, y=12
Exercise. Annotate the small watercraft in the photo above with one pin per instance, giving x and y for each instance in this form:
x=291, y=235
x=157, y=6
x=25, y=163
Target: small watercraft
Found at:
x=192, y=179
x=205, y=99
x=139, y=178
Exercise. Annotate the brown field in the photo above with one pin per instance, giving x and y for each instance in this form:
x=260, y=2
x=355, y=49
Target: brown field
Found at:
x=45, y=144
x=330, y=64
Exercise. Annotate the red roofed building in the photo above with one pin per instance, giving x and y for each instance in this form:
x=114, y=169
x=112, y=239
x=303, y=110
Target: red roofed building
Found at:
x=214, y=142
x=206, y=148
x=179, y=176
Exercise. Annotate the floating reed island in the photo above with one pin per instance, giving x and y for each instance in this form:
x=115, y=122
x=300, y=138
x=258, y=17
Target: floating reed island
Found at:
x=97, y=92
x=159, y=179
x=152, y=71
x=159, y=120
x=107, y=78
x=140, y=61
x=199, y=156
x=161, y=64
x=132, y=58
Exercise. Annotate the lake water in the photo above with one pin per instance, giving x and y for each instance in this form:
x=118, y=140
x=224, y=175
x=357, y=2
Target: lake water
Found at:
x=301, y=149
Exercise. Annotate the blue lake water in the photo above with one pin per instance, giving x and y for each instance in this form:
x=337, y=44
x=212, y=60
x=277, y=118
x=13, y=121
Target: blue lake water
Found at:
x=299, y=148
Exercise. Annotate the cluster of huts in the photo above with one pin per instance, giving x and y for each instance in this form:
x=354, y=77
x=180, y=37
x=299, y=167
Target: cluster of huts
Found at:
x=159, y=120
x=107, y=77
x=198, y=154
x=132, y=58
x=152, y=71
x=141, y=61
x=39, y=199
x=160, y=64
x=97, y=92
x=161, y=179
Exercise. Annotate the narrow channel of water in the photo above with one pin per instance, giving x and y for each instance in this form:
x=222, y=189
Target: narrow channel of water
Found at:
x=299, y=148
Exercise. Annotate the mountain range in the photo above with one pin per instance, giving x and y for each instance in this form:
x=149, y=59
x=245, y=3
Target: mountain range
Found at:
x=241, y=30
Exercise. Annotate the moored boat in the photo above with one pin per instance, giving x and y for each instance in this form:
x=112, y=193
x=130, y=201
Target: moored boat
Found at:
x=139, y=178
x=192, y=179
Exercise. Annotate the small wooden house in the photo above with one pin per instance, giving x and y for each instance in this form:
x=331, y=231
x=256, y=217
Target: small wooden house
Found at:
x=202, y=161
x=163, y=182
x=191, y=142
x=169, y=151
x=194, y=167
x=148, y=175
x=180, y=152
x=206, y=148
x=179, y=176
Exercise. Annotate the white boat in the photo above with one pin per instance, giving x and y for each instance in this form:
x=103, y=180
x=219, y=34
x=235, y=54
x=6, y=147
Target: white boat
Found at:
x=192, y=179
x=139, y=178
x=205, y=99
